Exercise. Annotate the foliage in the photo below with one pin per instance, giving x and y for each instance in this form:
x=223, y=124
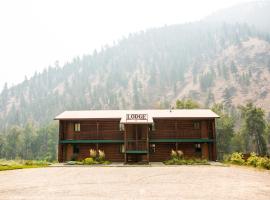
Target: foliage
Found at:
x=21, y=164
x=89, y=161
x=237, y=158
x=253, y=128
x=186, y=104
x=96, y=157
x=177, y=158
x=253, y=159
x=93, y=153
x=194, y=161
x=173, y=154
x=101, y=156
x=224, y=130
x=30, y=142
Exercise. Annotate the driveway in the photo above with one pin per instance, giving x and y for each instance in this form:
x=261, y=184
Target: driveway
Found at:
x=180, y=182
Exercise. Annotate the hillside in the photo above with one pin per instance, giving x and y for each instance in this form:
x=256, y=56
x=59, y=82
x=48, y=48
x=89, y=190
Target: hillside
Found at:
x=150, y=69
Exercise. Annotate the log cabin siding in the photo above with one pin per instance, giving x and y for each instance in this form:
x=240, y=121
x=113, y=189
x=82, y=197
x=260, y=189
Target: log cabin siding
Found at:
x=109, y=129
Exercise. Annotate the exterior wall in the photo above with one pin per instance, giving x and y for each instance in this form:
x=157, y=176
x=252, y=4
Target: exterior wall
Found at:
x=163, y=151
x=69, y=152
x=205, y=151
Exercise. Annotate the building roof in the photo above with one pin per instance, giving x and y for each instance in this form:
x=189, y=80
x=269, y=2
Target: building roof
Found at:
x=124, y=115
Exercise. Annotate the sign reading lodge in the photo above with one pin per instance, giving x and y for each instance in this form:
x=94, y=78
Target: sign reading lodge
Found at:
x=137, y=117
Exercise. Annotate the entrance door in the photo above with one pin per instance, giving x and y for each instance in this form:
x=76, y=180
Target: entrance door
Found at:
x=136, y=142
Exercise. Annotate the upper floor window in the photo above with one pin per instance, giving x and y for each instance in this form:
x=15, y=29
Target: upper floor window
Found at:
x=152, y=127
x=121, y=127
x=196, y=125
x=77, y=127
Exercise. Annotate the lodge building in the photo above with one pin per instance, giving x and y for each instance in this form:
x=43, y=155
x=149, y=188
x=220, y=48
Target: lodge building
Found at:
x=137, y=135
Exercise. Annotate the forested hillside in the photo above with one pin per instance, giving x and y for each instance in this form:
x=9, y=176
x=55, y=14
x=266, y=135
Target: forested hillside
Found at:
x=210, y=62
x=146, y=70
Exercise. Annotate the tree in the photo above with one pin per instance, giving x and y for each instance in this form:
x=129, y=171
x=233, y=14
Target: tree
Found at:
x=186, y=104
x=253, y=128
x=225, y=130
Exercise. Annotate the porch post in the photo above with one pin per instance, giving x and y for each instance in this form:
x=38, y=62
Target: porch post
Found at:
x=147, y=142
x=125, y=144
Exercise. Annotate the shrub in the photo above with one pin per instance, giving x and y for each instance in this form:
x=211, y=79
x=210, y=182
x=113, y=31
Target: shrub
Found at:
x=237, y=158
x=174, y=154
x=89, y=161
x=101, y=155
x=252, y=159
x=93, y=153
x=263, y=162
x=180, y=154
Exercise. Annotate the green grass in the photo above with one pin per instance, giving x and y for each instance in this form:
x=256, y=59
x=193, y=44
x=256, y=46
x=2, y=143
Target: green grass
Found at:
x=21, y=164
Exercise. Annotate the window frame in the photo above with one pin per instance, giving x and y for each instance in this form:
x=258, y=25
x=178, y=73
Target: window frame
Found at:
x=77, y=127
x=197, y=125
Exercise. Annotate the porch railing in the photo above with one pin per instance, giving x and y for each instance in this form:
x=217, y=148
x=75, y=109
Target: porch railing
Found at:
x=171, y=134
x=94, y=135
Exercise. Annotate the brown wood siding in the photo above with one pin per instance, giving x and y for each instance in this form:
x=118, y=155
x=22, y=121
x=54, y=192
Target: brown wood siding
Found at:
x=93, y=130
x=112, y=151
x=164, y=129
x=163, y=151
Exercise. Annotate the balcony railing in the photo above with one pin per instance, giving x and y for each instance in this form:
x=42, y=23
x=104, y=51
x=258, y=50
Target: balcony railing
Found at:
x=175, y=134
x=94, y=135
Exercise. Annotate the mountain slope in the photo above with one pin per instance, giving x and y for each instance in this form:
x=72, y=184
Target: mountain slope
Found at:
x=147, y=70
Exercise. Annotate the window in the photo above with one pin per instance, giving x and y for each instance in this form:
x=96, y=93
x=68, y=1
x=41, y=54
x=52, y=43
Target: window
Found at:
x=198, y=148
x=76, y=149
x=121, y=127
x=196, y=125
x=152, y=127
x=122, y=148
x=152, y=148
x=77, y=127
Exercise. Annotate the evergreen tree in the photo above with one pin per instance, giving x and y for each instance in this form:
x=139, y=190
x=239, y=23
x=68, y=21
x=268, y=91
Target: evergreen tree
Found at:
x=253, y=128
x=225, y=130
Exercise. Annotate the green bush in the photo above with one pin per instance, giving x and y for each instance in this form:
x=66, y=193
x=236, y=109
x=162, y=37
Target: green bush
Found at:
x=101, y=156
x=263, y=162
x=253, y=159
x=174, y=154
x=237, y=158
x=93, y=153
x=89, y=161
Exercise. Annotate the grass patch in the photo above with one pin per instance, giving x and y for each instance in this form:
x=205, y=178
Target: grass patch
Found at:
x=21, y=164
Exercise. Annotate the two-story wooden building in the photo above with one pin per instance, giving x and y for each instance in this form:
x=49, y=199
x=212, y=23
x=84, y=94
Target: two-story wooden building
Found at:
x=137, y=135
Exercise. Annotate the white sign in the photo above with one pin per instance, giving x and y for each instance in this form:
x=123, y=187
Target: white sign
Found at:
x=135, y=117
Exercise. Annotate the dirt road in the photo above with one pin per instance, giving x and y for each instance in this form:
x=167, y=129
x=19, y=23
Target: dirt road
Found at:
x=183, y=182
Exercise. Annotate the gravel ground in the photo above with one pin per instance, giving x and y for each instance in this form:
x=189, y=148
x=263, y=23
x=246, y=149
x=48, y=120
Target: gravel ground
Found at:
x=180, y=182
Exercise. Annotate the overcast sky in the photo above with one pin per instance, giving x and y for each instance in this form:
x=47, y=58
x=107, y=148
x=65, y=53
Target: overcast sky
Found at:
x=34, y=34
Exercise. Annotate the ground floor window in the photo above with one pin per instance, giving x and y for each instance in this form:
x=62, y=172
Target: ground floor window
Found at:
x=76, y=149
x=122, y=148
x=152, y=148
x=198, y=148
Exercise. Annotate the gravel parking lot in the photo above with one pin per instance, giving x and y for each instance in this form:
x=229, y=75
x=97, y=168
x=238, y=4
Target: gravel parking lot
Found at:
x=180, y=182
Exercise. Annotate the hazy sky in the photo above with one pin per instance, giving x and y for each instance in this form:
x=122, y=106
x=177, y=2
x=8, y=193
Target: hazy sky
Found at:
x=34, y=34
